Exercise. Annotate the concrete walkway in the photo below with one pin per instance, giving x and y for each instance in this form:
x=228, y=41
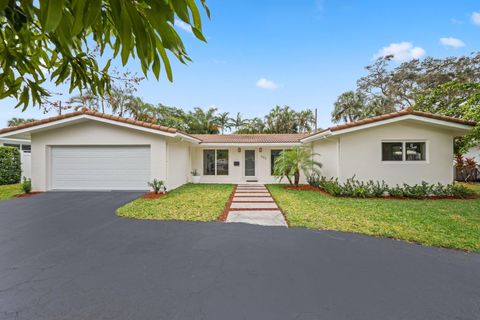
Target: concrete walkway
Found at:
x=253, y=203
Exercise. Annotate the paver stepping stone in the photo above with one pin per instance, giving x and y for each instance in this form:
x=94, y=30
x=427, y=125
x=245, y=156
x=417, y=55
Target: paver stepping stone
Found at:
x=254, y=205
x=264, y=218
x=252, y=194
x=252, y=199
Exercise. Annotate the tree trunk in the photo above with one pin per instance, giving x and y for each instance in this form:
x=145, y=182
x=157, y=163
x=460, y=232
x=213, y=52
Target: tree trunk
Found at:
x=297, y=177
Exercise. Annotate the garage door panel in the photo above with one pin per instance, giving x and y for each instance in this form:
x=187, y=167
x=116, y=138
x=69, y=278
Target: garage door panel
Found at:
x=101, y=167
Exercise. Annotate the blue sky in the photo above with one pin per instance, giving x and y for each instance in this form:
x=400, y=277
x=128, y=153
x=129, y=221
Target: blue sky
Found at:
x=299, y=53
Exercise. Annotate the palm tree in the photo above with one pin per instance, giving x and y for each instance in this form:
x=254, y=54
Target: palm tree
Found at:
x=200, y=121
x=223, y=121
x=238, y=123
x=291, y=162
x=281, y=120
x=305, y=120
x=350, y=106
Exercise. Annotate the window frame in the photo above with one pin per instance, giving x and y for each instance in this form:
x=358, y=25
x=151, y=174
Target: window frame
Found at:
x=215, y=161
x=404, y=151
x=272, y=164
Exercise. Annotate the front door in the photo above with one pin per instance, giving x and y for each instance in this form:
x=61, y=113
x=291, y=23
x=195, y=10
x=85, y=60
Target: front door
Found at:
x=249, y=163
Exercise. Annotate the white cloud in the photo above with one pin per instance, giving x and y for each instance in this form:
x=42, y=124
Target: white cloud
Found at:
x=183, y=25
x=266, y=84
x=452, y=42
x=476, y=18
x=401, y=51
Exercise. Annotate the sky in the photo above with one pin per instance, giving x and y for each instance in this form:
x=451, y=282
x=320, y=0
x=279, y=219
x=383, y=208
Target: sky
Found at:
x=300, y=53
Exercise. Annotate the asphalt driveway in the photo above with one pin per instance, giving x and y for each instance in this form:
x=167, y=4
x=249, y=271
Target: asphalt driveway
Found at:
x=67, y=256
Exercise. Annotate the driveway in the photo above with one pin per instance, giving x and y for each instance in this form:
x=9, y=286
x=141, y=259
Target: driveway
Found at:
x=67, y=256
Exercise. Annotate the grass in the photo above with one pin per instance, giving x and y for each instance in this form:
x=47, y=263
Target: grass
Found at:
x=10, y=190
x=193, y=202
x=443, y=223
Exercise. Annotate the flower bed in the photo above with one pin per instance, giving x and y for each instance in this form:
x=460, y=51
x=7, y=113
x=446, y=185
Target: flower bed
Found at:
x=376, y=189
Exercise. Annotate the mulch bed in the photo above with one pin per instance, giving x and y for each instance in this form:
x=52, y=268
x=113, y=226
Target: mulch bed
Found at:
x=153, y=195
x=223, y=216
x=26, y=195
x=306, y=187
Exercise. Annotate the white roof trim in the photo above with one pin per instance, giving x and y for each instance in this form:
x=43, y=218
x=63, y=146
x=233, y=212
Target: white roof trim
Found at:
x=444, y=123
x=104, y=120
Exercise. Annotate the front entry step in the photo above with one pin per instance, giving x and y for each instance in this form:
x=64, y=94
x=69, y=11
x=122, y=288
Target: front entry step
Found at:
x=254, y=204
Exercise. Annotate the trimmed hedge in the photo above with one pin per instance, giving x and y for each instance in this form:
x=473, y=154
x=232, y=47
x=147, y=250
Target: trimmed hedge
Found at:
x=10, y=165
x=370, y=189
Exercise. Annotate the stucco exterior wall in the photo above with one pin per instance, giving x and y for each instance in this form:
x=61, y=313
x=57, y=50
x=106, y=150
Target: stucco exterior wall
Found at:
x=328, y=151
x=361, y=155
x=92, y=133
x=236, y=173
x=178, y=164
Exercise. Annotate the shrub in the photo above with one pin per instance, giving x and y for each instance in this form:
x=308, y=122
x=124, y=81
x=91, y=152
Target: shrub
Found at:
x=10, y=166
x=313, y=179
x=157, y=185
x=355, y=188
x=27, y=185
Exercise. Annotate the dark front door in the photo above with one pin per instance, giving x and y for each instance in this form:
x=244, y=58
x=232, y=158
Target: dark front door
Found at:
x=249, y=163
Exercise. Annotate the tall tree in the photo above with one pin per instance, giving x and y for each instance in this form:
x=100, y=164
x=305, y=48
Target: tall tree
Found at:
x=306, y=120
x=202, y=121
x=281, y=120
x=455, y=99
x=238, y=122
x=400, y=85
x=350, y=106
x=58, y=36
x=13, y=122
x=223, y=120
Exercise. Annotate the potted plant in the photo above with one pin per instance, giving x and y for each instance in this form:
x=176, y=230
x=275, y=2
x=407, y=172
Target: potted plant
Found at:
x=195, y=176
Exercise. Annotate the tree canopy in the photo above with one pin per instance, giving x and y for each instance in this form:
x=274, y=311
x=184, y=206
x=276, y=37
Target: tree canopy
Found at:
x=62, y=40
x=387, y=88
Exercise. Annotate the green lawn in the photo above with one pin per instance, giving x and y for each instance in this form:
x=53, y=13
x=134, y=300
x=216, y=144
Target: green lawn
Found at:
x=193, y=202
x=443, y=223
x=474, y=186
x=10, y=190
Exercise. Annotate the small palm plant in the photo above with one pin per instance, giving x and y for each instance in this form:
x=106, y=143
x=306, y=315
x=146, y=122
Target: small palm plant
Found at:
x=290, y=163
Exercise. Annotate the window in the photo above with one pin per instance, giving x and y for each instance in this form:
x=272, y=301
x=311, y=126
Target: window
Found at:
x=222, y=162
x=215, y=162
x=12, y=145
x=274, y=154
x=404, y=151
x=392, y=151
x=415, y=151
x=209, y=162
x=26, y=148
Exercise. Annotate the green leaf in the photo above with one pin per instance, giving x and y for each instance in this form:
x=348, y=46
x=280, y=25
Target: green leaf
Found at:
x=156, y=66
x=79, y=11
x=51, y=13
x=3, y=4
x=94, y=8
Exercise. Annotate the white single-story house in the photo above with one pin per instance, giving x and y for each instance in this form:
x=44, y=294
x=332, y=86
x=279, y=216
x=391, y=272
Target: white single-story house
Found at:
x=88, y=150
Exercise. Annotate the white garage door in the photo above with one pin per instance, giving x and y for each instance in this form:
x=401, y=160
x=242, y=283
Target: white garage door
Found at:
x=100, y=167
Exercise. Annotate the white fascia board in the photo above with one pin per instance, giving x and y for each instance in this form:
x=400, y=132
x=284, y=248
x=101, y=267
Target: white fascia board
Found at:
x=320, y=135
x=247, y=145
x=17, y=140
x=89, y=117
x=443, y=123
x=188, y=138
